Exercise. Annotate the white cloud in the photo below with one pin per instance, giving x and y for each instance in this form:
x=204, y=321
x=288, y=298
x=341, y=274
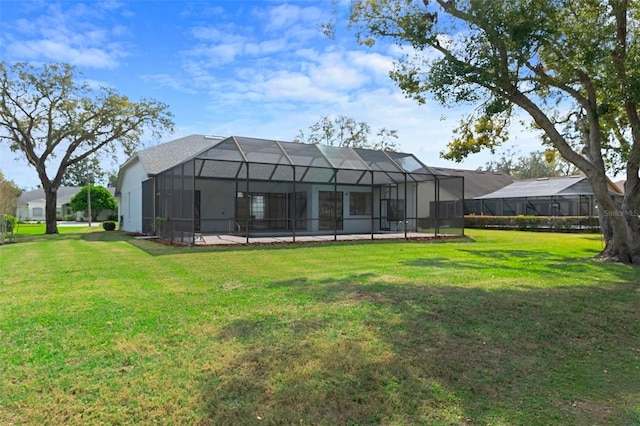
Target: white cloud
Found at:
x=60, y=52
x=167, y=80
x=266, y=47
x=286, y=16
x=74, y=34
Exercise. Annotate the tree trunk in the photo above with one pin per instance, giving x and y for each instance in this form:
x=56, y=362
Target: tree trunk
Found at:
x=622, y=236
x=51, y=198
x=625, y=249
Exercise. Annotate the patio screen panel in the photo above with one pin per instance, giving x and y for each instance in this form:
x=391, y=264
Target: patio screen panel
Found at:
x=248, y=164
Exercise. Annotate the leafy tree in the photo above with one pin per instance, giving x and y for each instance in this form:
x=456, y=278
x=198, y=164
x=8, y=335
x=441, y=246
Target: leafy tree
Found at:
x=9, y=193
x=54, y=120
x=571, y=66
x=112, y=178
x=345, y=131
x=79, y=173
x=101, y=199
x=535, y=165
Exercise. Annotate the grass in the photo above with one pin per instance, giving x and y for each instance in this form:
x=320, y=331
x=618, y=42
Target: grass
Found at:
x=507, y=328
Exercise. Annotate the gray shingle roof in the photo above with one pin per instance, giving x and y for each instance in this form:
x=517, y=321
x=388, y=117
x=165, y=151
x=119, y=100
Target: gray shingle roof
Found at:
x=65, y=194
x=478, y=183
x=545, y=187
x=161, y=157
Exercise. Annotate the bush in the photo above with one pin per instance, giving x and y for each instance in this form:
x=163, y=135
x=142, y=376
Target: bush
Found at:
x=109, y=226
x=8, y=225
x=534, y=223
x=70, y=217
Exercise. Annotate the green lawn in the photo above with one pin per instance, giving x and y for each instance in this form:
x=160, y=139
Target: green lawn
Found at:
x=507, y=328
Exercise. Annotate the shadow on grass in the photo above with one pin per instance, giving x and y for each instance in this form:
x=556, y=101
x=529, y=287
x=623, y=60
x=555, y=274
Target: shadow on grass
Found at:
x=155, y=247
x=545, y=264
x=369, y=352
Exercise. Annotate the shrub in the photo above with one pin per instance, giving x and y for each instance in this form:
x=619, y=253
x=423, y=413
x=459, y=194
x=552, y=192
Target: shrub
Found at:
x=109, y=226
x=535, y=223
x=8, y=225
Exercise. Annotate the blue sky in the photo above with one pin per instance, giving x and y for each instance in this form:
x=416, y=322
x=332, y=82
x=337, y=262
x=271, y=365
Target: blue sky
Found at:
x=248, y=68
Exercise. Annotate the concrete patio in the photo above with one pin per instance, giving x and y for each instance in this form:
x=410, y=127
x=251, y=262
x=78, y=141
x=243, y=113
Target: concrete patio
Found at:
x=228, y=239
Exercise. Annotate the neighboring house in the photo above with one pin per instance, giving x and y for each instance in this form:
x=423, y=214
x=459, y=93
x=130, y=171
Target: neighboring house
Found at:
x=31, y=205
x=206, y=184
x=556, y=196
x=476, y=184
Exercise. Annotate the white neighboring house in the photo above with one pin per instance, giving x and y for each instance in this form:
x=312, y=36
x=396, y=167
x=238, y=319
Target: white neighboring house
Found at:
x=31, y=205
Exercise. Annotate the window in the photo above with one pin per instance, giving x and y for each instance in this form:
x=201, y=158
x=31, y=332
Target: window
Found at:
x=257, y=206
x=38, y=212
x=330, y=210
x=360, y=203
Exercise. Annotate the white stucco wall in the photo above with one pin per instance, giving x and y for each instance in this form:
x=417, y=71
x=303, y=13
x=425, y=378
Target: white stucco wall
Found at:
x=130, y=201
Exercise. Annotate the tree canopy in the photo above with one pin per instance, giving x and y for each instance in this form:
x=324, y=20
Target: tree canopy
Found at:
x=345, y=131
x=101, y=199
x=9, y=193
x=537, y=164
x=86, y=170
x=573, y=67
x=54, y=119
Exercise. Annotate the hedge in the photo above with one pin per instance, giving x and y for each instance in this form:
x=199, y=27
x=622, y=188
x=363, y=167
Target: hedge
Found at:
x=535, y=223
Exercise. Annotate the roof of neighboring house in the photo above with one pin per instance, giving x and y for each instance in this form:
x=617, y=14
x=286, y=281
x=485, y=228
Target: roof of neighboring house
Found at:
x=477, y=182
x=620, y=185
x=65, y=194
x=546, y=187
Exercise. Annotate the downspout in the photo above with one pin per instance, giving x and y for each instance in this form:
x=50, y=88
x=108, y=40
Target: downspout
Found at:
x=436, y=228
x=295, y=203
x=416, y=204
x=249, y=199
x=373, y=222
x=462, y=177
x=404, y=210
x=193, y=206
x=335, y=204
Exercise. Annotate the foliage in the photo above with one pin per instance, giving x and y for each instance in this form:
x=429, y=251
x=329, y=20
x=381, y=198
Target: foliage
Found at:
x=513, y=329
x=109, y=226
x=534, y=223
x=571, y=66
x=159, y=226
x=112, y=179
x=101, y=199
x=84, y=171
x=536, y=165
x=54, y=119
x=345, y=131
x=8, y=228
x=9, y=193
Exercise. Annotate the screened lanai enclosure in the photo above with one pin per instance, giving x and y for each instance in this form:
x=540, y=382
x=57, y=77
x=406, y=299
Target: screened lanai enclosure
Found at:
x=254, y=187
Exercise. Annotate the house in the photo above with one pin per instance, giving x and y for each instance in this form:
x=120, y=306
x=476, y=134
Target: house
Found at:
x=476, y=184
x=238, y=185
x=554, y=196
x=31, y=204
